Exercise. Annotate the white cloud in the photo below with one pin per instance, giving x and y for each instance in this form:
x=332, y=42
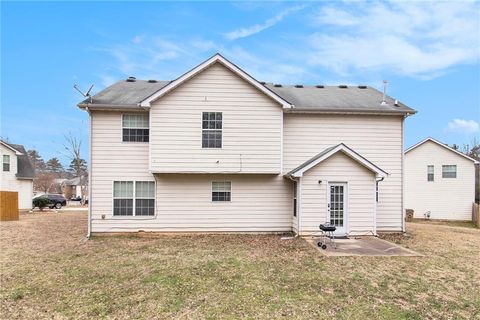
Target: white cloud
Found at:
x=463, y=126
x=421, y=39
x=248, y=31
x=138, y=39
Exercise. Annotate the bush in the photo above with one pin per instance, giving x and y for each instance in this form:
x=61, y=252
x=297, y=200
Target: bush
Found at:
x=41, y=202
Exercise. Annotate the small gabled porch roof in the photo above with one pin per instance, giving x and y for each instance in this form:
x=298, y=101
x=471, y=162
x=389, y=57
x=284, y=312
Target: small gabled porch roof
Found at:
x=327, y=153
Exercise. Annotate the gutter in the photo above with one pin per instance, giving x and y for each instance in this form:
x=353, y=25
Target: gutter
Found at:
x=351, y=111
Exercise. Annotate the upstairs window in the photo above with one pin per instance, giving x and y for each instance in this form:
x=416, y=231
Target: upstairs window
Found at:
x=6, y=162
x=449, y=171
x=211, y=130
x=221, y=191
x=430, y=173
x=135, y=128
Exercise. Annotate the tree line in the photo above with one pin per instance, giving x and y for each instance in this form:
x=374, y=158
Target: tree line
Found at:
x=48, y=173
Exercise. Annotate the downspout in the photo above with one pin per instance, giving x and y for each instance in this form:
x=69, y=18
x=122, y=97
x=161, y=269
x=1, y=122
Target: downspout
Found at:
x=403, y=176
x=89, y=226
x=299, y=199
x=376, y=204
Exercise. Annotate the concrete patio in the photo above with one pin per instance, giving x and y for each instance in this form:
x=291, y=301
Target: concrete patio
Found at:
x=364, y=246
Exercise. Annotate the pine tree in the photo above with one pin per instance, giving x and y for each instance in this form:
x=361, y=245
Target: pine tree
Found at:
x=36, y=160
x=78, y=167
x=54, y=166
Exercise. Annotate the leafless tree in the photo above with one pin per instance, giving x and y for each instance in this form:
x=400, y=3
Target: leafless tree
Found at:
x=44, y=181
x=73, y=146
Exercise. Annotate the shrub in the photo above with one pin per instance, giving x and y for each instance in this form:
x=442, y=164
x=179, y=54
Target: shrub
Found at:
x=41, y=202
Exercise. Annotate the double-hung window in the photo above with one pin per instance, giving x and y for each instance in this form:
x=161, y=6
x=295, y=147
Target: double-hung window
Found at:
x=212, y=129
x=133, y=198
x=144, y=198
x=135, y=128
x=449, y=171
x=6, y=162
x=430, y=173
x=221, y=191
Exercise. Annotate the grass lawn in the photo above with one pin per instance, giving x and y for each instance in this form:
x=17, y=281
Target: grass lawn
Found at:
x=47, y=271
x=452, y=223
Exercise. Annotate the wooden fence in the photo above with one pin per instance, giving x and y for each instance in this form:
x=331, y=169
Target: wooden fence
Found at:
x=476, y=214
x=8, y=206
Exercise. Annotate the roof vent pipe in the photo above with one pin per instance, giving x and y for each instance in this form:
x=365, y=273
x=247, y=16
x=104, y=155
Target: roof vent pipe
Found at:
x=384, y=101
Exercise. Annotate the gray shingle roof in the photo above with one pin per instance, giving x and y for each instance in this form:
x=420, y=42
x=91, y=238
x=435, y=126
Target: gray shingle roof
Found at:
x=125, y=93
x=327, y=150
x=25, y=168
x=305, y=99
x=334, y=98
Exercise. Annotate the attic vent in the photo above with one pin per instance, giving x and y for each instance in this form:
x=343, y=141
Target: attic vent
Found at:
x=320, y=86
x=277, y=85
x=343, y=86
x=131, y=79
x=152, y=81
x=262, y=82
x=299, y=86
x=362, y=87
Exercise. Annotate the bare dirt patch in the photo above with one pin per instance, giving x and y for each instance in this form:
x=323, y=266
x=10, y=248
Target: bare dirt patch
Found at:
x=49, y=271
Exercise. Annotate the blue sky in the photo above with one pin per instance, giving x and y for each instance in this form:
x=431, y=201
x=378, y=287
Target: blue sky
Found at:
x=429, y=52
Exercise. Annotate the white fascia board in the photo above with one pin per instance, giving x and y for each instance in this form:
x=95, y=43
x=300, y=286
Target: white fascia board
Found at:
x=18, y=153
x=442, y=145
x=379, y=172
x=216, y=58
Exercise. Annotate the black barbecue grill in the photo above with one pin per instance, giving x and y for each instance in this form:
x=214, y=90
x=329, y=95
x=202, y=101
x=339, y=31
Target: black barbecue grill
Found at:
x=328, y=234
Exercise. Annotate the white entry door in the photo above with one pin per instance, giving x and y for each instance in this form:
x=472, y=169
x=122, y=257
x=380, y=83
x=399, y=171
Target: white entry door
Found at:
x=337, y=206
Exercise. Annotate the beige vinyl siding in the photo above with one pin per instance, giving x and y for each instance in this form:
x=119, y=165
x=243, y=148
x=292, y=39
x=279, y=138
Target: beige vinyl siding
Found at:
x=112, y=160
x=360, y=195
x=377, y=138
x=259, y=203
x=445, y=198
x=9, y=181
x=252, y=126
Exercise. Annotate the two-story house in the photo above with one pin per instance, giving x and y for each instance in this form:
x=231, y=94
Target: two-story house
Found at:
x=215, y=150
x=439, y=181
x=17, y=173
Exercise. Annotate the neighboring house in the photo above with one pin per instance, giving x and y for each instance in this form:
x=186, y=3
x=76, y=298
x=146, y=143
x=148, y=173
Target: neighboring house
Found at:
x=217, y=151
x=75, y=187
x=439, y=181
x=17, y=173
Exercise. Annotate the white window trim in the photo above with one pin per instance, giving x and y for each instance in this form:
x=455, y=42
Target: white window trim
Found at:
x=433, y=172
x=201, y=128
x=451, y=165
x=9, y=163
x=121, y=126
x=211, y=191
x=134, y=198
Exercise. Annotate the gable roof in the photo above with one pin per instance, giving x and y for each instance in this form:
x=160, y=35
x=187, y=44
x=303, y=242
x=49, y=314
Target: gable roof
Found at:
x=327, y=153
x=133, y=94
x=442, y=145
x=24, y=167
x=124, y=94
x=10, y=146
x=217, y=58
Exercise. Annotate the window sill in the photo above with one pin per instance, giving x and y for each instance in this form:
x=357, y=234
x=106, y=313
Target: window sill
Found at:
x=132, y=217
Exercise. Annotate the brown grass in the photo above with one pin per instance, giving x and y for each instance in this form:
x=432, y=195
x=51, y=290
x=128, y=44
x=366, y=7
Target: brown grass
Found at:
x=49, y=271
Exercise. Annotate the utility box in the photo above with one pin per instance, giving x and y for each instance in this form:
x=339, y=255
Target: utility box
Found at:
x=409, y=215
